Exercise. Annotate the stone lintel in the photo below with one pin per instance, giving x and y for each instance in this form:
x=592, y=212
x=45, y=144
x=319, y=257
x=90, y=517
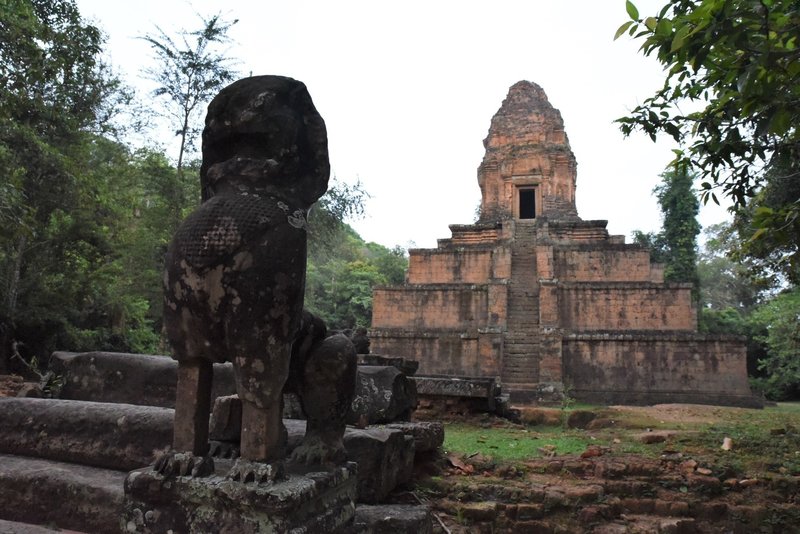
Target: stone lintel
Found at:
x=473, y=387
x=405, y=366
x=312, y=502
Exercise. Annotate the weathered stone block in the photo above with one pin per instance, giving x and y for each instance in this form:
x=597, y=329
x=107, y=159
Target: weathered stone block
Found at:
x=312, y=502
x=70, y=496
x=385, y=459
x=428, y=435
x=113, y=436
x=226, y=419
x=407, y=367
x=127, y=378
x=383, y=395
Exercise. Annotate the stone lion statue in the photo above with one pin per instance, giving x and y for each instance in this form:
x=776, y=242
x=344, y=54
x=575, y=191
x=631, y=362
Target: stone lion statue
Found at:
x=235, y=278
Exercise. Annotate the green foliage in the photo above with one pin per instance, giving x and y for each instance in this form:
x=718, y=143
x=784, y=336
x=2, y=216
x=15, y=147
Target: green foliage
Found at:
x=728, y=281
x=676, y=244
x=679, y=207
x=769, y=227
x=342, y=268
x=779, y=320
x=55, y=98
x=85, y=220
x=736, y=62
x=190, y=72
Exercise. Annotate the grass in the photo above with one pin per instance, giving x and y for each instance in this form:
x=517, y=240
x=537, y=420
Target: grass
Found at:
x=513, y=443
x=764, y=441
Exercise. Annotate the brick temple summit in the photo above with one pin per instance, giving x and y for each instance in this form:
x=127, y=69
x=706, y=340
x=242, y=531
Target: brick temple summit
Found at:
x=548, y=303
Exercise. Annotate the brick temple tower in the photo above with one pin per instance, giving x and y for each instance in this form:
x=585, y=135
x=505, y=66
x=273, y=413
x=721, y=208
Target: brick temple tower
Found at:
x=547, y=302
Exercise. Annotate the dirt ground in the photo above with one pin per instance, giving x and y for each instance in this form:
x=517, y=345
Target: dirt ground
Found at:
x=10, y=385
x=681, y=413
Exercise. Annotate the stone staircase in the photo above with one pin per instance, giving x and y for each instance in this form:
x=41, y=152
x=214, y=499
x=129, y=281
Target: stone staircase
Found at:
x=63, y=463
x=520, y=372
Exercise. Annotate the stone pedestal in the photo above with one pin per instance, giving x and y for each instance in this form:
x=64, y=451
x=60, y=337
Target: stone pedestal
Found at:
x=310, y=502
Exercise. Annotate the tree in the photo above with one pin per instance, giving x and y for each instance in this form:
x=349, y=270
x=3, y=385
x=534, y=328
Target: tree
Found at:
x=676, y=244
x=779, y=322
x=726, y=282
x=679, y=207
x=771, y=253
x=190, y=72
x=735, y=64
x=55, y=96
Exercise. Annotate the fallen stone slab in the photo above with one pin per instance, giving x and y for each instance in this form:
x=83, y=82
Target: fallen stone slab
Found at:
x=480, y=392
x=383, y=393
x=111, y=436
x=124, y=378
x=68, y=496
x=394, y=518
x=428, y=435
x=407, y=367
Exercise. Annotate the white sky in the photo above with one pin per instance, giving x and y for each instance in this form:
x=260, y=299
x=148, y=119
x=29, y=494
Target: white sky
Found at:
x=408, y=89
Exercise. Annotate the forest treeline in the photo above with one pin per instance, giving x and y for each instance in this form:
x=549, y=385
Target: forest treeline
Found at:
x=86, y=215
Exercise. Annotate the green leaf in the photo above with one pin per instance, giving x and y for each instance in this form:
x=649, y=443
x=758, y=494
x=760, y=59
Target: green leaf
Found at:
x=651, y=23
x=622, y=29
x=631, y=9
x=664, y=28
x=680, y=37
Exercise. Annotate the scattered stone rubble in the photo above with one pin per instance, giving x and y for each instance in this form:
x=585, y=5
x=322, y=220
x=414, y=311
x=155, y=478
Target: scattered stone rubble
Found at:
x=600, y=495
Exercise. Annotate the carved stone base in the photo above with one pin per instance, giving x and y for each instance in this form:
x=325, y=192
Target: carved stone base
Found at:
x=310, y=502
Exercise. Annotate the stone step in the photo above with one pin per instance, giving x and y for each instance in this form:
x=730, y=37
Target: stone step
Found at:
x=104, y=435
x=15, y=527
x=75, y=499
x=70, y=496
x=125, y=437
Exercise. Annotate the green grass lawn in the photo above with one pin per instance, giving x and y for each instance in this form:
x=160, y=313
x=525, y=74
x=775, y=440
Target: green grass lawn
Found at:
x=765, y=440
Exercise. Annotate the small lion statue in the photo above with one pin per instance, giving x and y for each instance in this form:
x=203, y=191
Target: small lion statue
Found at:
x=235, y=278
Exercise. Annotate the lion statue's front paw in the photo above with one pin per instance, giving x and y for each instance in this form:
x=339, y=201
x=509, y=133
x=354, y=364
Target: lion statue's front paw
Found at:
x=258, y=472
x=182, y=464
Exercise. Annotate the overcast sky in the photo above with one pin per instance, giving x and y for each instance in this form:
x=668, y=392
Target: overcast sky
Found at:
x=408, y=89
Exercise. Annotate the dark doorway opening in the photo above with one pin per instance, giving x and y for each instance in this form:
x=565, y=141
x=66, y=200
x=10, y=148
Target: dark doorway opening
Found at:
x=527, y=203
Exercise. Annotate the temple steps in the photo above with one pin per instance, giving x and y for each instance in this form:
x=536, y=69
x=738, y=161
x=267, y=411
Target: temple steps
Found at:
x=70, y=496
x=63, y=463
